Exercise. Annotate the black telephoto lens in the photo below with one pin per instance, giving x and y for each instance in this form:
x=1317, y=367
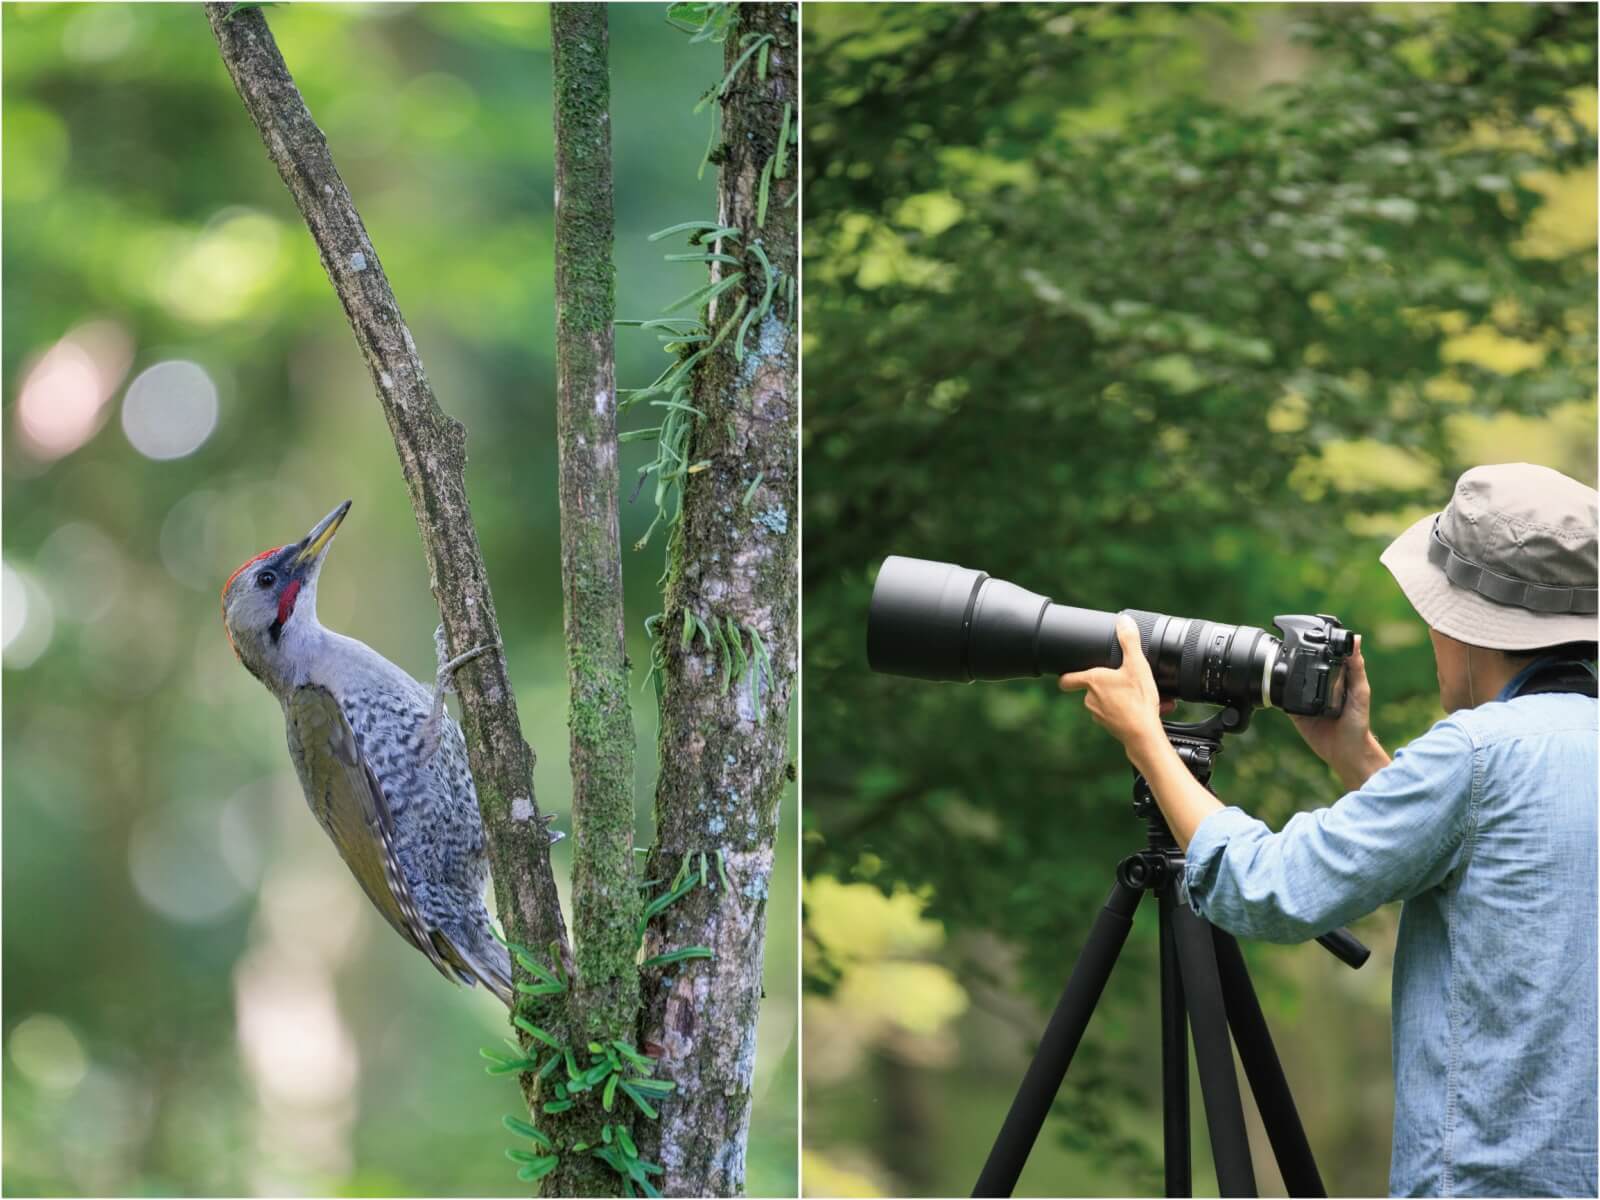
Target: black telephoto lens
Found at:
x=933, y=620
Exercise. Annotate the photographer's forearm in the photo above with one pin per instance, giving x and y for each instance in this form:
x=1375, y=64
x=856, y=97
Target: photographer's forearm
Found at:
x=1355, y=768
x=1183, y=800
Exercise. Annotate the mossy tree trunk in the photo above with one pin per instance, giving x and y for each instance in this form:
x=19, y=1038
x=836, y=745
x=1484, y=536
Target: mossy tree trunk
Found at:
x=724, y=745
x=605, y=899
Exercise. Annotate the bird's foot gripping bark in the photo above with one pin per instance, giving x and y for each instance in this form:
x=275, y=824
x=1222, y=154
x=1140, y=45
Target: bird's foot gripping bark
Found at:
x=442, y=685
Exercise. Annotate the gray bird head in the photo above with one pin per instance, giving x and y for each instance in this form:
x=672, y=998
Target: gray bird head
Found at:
x=269, y=605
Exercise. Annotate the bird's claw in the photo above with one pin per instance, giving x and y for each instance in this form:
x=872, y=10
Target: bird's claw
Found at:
x=444, y=680
x=443, y=683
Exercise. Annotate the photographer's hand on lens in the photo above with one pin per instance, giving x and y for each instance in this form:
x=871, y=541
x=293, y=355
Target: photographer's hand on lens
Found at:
x=1123, y=700
x=1126, y=702
x=1345, y=742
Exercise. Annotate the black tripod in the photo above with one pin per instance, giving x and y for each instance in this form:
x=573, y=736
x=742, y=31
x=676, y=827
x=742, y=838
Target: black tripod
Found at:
x=1203, y=974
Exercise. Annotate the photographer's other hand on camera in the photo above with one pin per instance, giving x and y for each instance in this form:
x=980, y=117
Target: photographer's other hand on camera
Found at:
x=1345, y=742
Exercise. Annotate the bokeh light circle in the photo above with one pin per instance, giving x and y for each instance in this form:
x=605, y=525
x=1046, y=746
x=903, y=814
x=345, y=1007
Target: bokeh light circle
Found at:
x=175, y=862
x=170, y=409
x=47, y=1051
x=29, y=618
x=13, y=604
x=59, y=402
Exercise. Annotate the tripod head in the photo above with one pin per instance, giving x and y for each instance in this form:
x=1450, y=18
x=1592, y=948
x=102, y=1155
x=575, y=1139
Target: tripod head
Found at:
x=1198, y=743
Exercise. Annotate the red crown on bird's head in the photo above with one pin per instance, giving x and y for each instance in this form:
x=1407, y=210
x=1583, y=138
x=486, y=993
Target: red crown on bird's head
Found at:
x=240, y=570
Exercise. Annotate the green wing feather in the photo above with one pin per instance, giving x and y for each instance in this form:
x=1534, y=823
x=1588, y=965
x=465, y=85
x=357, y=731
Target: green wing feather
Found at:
x=349, y=804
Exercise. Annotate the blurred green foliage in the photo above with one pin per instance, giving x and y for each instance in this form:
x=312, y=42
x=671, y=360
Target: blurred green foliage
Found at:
x=1183, y=308
x=197, y=999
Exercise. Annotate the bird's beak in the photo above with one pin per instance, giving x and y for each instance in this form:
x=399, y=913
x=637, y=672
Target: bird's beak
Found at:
x=321, y=535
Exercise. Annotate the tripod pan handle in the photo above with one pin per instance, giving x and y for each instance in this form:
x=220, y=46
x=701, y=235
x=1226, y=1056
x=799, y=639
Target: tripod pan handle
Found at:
x=1345, y=946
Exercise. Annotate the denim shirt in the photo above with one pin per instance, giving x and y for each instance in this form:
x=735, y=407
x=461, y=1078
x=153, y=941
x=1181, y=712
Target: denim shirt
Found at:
x=1485, y=828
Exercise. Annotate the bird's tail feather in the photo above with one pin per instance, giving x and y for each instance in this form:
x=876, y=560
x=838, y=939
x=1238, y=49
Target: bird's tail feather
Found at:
x=498, y=977
x=482, y=959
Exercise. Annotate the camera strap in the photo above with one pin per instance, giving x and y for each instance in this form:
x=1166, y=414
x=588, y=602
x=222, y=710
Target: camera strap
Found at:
x=1569, y=675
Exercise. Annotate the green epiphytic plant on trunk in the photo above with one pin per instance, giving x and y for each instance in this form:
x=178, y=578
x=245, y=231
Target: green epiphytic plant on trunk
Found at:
x=692, y=340
x=615, y=1070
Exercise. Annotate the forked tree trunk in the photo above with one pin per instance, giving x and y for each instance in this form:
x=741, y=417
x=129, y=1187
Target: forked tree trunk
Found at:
x=724, y=745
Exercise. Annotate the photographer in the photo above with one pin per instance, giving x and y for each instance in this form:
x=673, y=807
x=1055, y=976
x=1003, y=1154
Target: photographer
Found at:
x=1485, y=826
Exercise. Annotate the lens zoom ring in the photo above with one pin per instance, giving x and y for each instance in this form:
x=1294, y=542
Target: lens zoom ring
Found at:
x=1189, y=673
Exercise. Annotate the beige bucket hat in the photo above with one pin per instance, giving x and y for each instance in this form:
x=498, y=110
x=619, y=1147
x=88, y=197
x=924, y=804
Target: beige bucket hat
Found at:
x=1510, y=564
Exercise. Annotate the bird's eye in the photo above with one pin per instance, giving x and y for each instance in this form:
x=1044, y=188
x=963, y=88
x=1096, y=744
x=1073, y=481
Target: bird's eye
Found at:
x=266, y=579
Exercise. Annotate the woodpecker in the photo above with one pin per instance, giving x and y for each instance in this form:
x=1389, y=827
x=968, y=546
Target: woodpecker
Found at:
x=383, y=766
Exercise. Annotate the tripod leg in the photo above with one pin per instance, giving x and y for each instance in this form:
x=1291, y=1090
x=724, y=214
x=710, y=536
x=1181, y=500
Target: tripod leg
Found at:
x=1265, y=1072
x=1174, y=1060
x=1219, y=1086
x=1059, y=1043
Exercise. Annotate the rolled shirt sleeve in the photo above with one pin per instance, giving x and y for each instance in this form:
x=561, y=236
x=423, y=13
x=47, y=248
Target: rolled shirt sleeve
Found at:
x=1399, y=834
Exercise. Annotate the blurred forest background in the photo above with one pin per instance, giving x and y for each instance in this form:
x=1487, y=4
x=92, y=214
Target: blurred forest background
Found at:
x=1184, y=308
x=197, y=998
